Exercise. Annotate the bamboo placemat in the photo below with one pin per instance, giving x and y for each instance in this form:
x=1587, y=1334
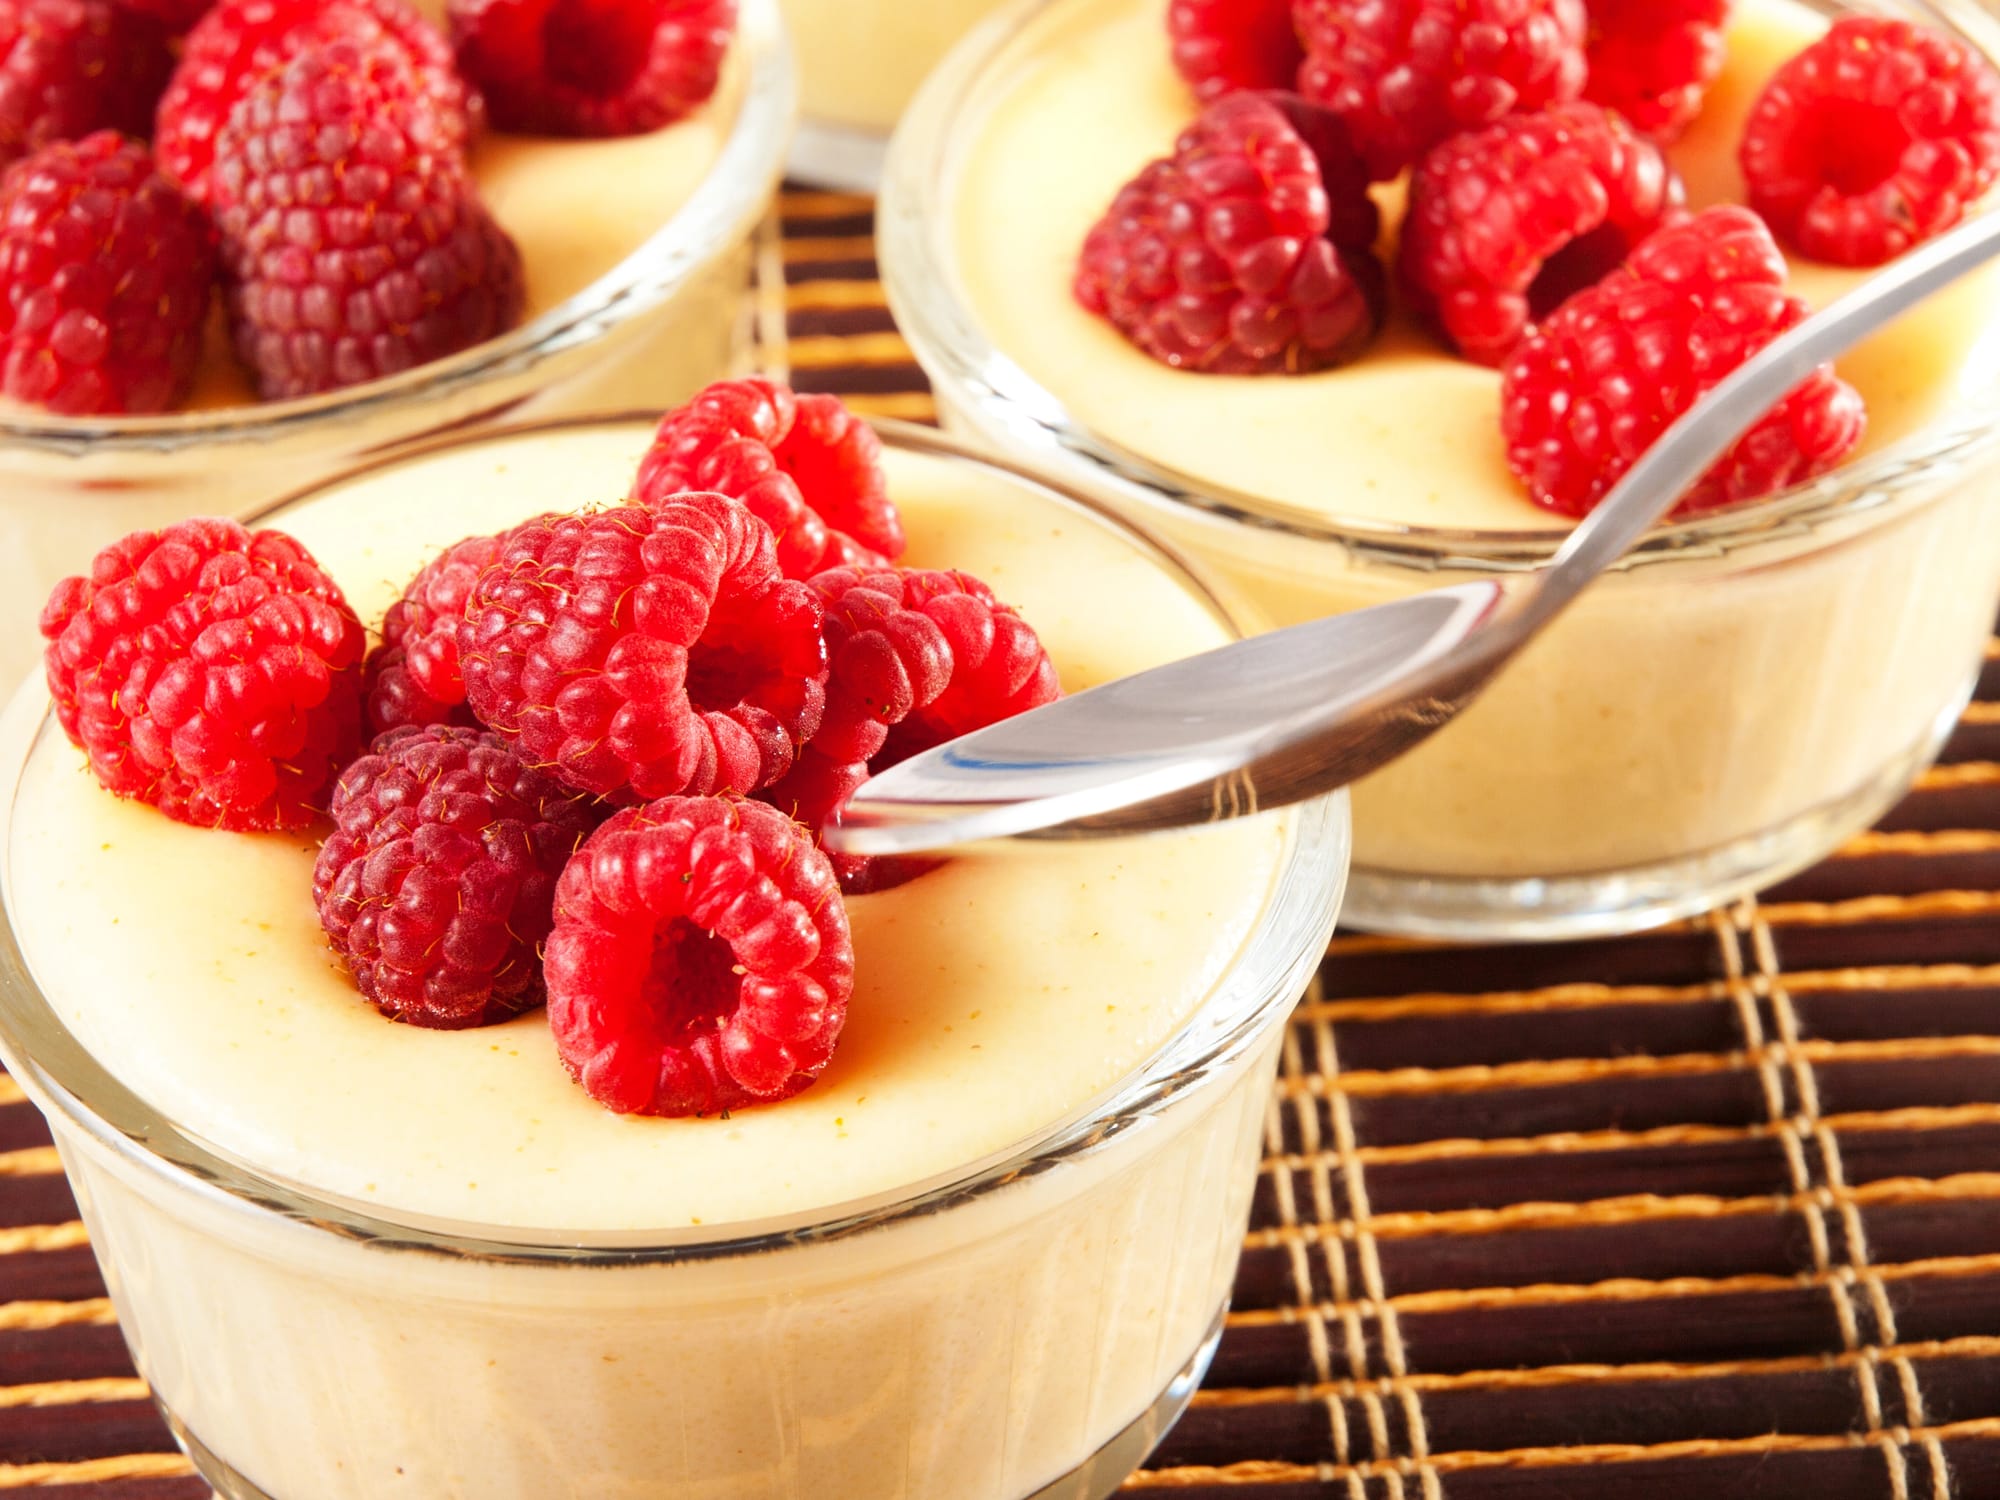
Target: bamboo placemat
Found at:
x=1710, y=1211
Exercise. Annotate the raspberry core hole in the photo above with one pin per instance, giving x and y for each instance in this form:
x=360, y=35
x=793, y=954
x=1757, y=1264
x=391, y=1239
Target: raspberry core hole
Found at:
x=597, y=46
x=721, y=677
x=1583, y=262
x=692, y=986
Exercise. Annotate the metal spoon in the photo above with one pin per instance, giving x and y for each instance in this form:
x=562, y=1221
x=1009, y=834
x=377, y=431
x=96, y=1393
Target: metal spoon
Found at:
x=1285, y=716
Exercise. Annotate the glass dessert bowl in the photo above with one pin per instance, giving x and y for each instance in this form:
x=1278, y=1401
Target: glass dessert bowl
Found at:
x=635, y=296
x=985, y=1257
x=1749, y=688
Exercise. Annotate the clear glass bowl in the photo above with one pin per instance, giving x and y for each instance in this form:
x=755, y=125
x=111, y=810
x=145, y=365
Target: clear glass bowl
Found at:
x=667, y=320
x=1025, y=1325
x=1746, y=691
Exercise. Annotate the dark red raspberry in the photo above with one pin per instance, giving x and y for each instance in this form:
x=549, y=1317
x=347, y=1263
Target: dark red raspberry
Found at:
x=413, y=675
x=1404, y=74
x=354, y=239
x=805, y=465
x=437, y=885
x=1653, y=60
x=105, y=277
x=646, y=651
x=701, y=959
x=175, y=15
x=1591, y=388
x=916, y=657
x=69, y=67
x=210, y=671
x=1248, y=251
x=1506, y=222
x=238, y=43
x=592, y=67
x=1875, y=138
x=1223, y=45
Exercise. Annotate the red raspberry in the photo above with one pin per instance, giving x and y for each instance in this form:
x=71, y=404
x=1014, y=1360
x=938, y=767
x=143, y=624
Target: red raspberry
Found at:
x=437, y=885
x=105, y=276
x=69, y=67
x=701, y=959
x=915, y=657
x=592, y=67
x=1506, y=222
x=239, y=42
x=1653, y=60
x=1248, y=251
x=1223, y=45
x=1590, y=389
x=1875, y=138
x=644, y=652
x=413, y=675
x=355, y=242
x=175, y=15
x=805, y=465
x=210, y=671
x=1404, y=74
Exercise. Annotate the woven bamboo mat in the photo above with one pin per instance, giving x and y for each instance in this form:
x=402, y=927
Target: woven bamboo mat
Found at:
x=1711, y=1211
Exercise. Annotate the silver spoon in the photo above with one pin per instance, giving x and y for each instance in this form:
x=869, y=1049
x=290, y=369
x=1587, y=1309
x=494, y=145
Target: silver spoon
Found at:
x=1280, y=717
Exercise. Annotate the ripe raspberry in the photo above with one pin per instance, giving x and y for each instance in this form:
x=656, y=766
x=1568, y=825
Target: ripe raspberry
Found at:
x=413, y=676
x=1590, y=389
x=70, y=67
x=175, y=15
x=1248, y=251
x=1404, y=74
x=592, y=67
x=1223, y=45
x=805, y=465
x=1875, y=138
x=1507, y=222
x=238, y=43
x=701, y=959
x=1653, y=60
x=105, y=276
x=354, y=238
x=644, y=652
x=210, y=671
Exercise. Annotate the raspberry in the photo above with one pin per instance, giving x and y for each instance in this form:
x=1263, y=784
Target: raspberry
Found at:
x=1590, y=389
x=915, y=658
x=592, y=67
x=1506, y=222
x=644, y=652
x=1223, y=45
x=69, y=67
x=238, y=43
x=701, y=959
x=413, y=676
x=210, y=671
x=355, y=242
x=1248, y=251
x=1653, y=60
x=1875, y=138
x=1404, y=74
x=175, y=15
x=437, y=885
x=105, y=276
x=805, y=465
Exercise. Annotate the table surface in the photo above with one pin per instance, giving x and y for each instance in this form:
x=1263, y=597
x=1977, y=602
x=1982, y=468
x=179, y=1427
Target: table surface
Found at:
x=1709, y=1211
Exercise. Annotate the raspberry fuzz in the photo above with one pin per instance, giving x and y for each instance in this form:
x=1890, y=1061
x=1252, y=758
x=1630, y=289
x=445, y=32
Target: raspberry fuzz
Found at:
x=701, y=959
x=1506, y=222
x=1223, y=45
x=437, y=885
x=355, y=242
x=1248, y=251
x=1404, y=74
x=646, y=651
x=1591, y=388
x=805, y=466
x=69, y=67
x=1875, y=138
x=210, y=671
x=592, y=67
x=413, y=675
x=105, y=277
x=1653, y=60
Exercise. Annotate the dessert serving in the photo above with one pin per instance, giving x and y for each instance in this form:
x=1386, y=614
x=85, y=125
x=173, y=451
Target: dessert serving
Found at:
x=1352, y=305
x=843, y=1179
